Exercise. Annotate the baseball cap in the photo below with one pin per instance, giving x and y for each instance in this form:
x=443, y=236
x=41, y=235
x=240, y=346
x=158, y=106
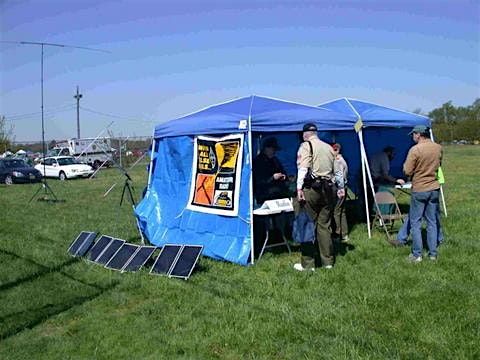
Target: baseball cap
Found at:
x=420, y=129
x=310, y=127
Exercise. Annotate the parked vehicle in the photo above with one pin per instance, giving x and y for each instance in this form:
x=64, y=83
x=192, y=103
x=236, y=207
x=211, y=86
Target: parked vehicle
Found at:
x=91, y=151
x=63, y=167
x=17, y=171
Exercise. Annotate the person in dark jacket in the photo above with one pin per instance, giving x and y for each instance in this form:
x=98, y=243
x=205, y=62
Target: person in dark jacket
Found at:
x=269, y=177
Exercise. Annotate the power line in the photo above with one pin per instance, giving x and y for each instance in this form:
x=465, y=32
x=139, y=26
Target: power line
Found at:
x=53, y=110
x=115, y=116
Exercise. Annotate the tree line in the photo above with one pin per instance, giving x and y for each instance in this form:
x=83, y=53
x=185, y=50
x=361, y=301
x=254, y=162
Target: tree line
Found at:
x=453, y=123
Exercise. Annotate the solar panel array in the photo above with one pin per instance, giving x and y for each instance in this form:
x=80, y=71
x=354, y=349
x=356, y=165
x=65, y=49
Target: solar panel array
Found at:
x=116, y=254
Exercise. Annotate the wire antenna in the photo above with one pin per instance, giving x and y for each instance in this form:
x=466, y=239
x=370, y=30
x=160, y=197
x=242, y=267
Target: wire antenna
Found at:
x=52, y=44
x=48, y=194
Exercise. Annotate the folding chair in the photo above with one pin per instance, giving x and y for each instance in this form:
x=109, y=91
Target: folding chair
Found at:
x=387, y=212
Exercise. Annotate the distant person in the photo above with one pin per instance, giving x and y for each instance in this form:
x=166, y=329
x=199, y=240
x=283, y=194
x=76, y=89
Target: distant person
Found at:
x=421, y=165
x=380, y=168
x=269, y=177
x=340, y=225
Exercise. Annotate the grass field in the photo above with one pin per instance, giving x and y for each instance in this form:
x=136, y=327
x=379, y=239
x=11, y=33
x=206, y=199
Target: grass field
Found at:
x=372, y=305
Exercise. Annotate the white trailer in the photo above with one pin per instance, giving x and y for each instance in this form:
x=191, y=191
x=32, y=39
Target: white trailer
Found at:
x=91, y=151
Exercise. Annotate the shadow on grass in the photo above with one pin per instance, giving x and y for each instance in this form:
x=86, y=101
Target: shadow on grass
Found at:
x=341, y=249
x=20, y=321
x=15, y=323
x=31, y=277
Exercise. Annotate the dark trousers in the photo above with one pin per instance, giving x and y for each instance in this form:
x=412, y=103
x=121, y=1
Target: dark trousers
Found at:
x=319, y=207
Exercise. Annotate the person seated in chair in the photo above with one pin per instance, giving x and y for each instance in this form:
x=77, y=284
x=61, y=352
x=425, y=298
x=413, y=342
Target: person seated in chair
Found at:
x=382, y=180
x=269, y=178
x=270, y=182
x=380, y=168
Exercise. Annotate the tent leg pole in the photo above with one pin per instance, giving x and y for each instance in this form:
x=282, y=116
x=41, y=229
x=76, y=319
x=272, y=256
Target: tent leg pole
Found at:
x=367, y=167
x=250, y=182
x=152, y=154
x=441, y=187
x=443, y=201
x=364, y=180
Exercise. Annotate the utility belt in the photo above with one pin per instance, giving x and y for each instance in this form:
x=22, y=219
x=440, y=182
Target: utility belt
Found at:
x=322, y=185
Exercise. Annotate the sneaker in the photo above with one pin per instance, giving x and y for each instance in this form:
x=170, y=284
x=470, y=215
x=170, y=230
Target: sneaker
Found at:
x=432, y=258
x=299, y=267
x=414, y=259
x=328, y=266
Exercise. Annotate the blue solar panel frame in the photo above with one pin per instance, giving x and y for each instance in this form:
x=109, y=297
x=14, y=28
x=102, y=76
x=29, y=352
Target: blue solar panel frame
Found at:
x=97, y=249
x=139, y=258
x=186, y=261
x=166, y=259
x=122, y=256
x=82, y=243
x=109, y=251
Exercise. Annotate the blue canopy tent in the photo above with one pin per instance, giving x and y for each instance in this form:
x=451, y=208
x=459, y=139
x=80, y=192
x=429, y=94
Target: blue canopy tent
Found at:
x=377, y=127
x=165, y=215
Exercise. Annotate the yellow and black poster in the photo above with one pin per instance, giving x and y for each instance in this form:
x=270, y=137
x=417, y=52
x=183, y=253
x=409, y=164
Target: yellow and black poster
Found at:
x=217, y=167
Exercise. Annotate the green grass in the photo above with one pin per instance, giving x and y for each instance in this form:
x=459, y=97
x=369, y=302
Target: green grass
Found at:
x=372, y=305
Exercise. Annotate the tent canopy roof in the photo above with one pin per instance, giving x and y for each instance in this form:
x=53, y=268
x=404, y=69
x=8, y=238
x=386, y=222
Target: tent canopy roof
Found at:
x=376, y=115
x=266, y=115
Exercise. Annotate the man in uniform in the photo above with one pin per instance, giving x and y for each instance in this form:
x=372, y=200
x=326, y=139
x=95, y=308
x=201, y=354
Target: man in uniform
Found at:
x=318, y=198
x=421, y=165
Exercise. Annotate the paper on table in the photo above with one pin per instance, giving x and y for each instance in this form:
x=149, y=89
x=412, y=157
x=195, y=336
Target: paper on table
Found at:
x=274, y=207
x=407, y=185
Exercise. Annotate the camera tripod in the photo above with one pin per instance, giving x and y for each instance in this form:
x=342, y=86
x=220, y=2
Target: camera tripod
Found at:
x=128, y=188
x=48, y=194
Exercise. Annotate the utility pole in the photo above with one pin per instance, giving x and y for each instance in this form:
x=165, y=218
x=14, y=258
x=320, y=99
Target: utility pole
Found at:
x=78, y=96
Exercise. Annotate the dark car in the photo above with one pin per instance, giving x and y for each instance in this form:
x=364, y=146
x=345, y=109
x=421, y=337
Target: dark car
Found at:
x=18, y=171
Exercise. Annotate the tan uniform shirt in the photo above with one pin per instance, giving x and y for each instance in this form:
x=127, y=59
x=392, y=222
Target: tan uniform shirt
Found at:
x=422, y=164
x=323, y=157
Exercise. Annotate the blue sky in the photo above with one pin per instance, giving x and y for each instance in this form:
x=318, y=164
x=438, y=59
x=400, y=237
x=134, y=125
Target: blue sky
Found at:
x=168, y=58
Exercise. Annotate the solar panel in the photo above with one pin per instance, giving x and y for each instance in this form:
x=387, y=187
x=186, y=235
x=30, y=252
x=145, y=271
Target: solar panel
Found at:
x=82, y=243
x=186, y=261
x=139, y=258
x=122, y=256
x=98, y=247
x=166, y=259
x=109, y=251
